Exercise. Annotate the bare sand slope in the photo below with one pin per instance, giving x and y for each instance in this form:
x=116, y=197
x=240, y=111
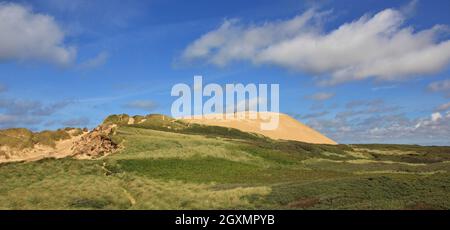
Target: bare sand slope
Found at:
x=62, y=149
x=288, y=129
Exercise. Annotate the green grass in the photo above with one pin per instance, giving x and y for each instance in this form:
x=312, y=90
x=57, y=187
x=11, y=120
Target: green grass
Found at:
x=212, y=170
x=74, y=184
x=414, y=153
x=374, y=192
x=167, y=164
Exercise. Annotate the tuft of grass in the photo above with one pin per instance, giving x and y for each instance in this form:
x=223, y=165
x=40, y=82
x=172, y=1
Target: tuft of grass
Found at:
x=50, y=137
x=74, y=131
x=19, y=138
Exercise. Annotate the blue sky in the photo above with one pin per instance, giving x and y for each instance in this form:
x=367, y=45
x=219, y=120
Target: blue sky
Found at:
x=358, y=71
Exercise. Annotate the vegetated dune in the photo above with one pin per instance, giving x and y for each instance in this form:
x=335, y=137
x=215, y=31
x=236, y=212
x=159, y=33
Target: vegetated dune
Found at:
x=23, y=145
x=288, y=128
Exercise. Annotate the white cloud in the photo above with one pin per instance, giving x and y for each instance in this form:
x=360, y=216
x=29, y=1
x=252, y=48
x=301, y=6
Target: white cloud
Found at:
x=96, y=61
x=26, y=113
x=379, y=46
x=436, y=116
x=231, y=41
x=443, y=107
x=439, y=86
x=385, y=128
x=29, y=36
x=433, y=121
x=374, y=121
x=322, y=96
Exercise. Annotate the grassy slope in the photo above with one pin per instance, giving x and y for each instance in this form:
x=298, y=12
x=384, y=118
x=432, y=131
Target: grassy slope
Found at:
x=205, y=168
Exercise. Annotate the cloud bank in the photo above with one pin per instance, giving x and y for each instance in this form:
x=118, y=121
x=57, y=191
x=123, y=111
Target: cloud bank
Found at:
x=376, y=46
x=443, y=107
x=374, y=121
x=440, y=87
x=29, y=36
x=16, y=112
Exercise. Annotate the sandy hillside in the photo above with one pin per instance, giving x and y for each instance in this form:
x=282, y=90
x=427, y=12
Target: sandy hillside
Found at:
x=61, y=149
x=288, y=129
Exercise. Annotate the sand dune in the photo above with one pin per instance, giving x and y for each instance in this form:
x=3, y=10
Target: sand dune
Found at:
x=288, y=129
x=62, y=149
x=87, y=145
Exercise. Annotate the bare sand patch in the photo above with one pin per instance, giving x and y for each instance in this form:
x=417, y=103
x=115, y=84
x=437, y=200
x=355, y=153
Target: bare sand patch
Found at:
x=288, y=128
x=62, y=149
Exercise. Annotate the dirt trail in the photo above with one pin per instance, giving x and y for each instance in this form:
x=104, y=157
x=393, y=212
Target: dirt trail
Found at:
x=129, y=197
x=127, y=194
